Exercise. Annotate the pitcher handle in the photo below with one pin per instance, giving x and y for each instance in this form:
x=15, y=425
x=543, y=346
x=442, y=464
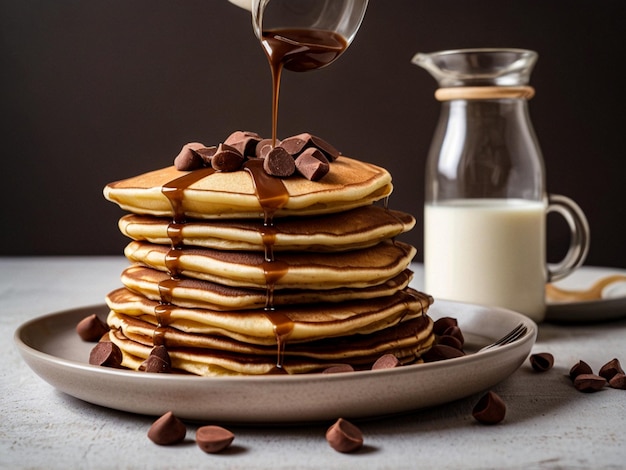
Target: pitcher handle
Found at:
x=579, y=236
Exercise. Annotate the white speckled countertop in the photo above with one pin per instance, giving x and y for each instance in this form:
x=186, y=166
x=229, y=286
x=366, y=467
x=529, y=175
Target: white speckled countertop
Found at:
x=548, y=424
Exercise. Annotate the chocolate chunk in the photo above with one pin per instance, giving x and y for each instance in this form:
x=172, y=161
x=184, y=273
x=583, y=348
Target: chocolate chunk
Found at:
x=618, y=381
x=295, y=144
x=440, y=352
x=106, y=354
x=167, y=430
x=206, y=154
x=542, y=362
x=454, y=331
x=227, y=158
x=263, y=147
x=343, y=436
x=331, y=152
x=155, y=364
x=91, y=328
x=490, y=409
x=213, y=439
x=279, y=163
x=312, y=164
x=442, y=324
x=589, y=383
x=453, y=342
x=611, y=368
x=386, y=361
x=581, y=367
x=187, y=159
x=338, y=369
x=244, y=141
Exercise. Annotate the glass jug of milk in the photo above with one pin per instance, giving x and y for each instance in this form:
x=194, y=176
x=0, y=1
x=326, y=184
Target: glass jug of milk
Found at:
x=486, y=203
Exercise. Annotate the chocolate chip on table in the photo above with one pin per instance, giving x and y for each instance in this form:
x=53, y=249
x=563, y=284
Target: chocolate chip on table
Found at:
x=611, y=368
x=213, y=439
x=490, y=409
x=106, y=354
x=338, y=369
x=91, y=328
x=541, y=362
x=312, y=164
x=167, y=430
x=279, y=163
x=227, y=158
x=589, y=383
x=343, y=436
x=581, y=367
x=618, y=381
x=187, y=159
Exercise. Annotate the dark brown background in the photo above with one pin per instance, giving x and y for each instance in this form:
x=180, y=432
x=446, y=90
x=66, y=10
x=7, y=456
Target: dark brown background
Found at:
x=98, y=90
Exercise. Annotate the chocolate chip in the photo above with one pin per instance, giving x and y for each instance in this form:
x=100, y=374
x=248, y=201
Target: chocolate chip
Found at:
x=263, y=147
x=589, y=383
x=206, y=154
x=440, y=352
x=611, y=368
x=187, y=159
x=618, y=381
x=244, y=141
x=155, y=364
x=542, y=362
x=338, y=369
x=386, y=361
x=442, y=324
x=106, y=354
x=490, y=409
x=213, y=439
x=451, y=341
x=454, y=331
x=91, y=328
x=295, y=144
x=167, y=430
x=312, y=164
x=279, y=163
x=581, y=367
x=343, y=436
x=331, y=152
x=227, y=158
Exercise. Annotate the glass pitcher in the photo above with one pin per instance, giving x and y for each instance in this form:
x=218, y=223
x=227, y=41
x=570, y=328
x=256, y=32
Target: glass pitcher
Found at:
x=486, y=202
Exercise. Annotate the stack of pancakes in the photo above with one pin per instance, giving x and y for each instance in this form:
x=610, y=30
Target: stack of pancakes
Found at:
x=244, y=273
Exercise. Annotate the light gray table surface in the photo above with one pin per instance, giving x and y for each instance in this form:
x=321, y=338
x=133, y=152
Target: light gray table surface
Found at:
x=548, y=424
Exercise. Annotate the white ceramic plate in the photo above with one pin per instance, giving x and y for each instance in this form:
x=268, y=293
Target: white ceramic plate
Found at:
x=53, y=350
x=591, y=310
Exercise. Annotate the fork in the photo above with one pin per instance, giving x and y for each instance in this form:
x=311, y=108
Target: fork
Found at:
x=513, y=335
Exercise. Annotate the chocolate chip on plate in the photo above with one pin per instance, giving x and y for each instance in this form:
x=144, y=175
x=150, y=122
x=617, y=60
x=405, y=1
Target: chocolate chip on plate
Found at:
x=213, y=439
x=581, y=367
x=106, y=354
x=167, y=430
x=386, y=361
x=91, y=328
x=343, y=436
x=338, y=369
x=440, y=352
x=611, y=368
x=490, y=409
x=442, y=324
x=589, y=383
x=542, y=362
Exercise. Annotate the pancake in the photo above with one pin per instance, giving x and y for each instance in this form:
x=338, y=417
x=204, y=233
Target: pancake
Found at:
x=349, y=184
x=290, y=270
x=188, y=292
x=358, y=228
x=306, y=322
x=407, y=341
